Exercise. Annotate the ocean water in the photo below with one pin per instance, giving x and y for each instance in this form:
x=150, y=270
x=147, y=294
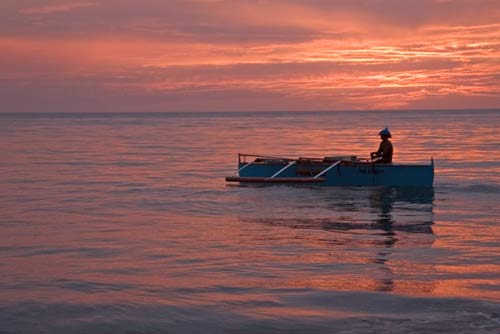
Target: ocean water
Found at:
x=123, y=223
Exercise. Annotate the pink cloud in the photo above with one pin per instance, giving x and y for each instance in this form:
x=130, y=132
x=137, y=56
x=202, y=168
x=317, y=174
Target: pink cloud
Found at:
x=241, y=55
x=56, y=8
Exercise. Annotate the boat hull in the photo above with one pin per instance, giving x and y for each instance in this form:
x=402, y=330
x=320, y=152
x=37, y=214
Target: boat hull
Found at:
x=343, y=174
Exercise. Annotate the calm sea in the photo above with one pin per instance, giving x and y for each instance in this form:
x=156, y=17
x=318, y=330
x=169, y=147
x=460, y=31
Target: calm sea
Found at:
x=123, y=223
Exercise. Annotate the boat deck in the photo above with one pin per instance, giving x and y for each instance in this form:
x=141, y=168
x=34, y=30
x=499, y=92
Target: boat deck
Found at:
x=332, y=171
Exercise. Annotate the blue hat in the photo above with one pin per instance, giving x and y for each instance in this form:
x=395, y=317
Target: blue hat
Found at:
x=385, y=132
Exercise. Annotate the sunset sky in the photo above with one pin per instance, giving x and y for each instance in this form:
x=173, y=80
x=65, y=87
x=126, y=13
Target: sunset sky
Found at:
x=211, y=55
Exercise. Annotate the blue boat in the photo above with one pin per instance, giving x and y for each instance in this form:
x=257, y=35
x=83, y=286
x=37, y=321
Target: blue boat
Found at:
x=331, y=171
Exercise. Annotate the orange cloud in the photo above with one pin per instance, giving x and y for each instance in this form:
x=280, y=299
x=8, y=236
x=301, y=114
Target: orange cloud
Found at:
x=241, y=55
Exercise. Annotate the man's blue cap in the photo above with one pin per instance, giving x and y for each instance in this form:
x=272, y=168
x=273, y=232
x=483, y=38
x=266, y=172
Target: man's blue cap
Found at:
x=385, y=132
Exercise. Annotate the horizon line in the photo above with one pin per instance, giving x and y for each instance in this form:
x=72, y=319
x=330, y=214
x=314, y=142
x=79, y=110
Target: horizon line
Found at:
x=243, y=111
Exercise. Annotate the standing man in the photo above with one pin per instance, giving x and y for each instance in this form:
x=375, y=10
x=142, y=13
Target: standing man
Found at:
x=384, y=153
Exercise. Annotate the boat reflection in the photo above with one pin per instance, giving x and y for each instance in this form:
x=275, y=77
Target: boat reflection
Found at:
x=385, y=209
x=384, y=201
x=385, y=228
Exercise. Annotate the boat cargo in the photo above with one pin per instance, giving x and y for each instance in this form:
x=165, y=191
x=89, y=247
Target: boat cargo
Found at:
x=331, y=171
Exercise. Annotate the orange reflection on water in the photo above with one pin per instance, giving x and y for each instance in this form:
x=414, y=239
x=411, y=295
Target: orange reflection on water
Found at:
x=135, y=210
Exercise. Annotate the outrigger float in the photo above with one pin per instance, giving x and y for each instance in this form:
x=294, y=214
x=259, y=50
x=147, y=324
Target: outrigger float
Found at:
x=331, y=171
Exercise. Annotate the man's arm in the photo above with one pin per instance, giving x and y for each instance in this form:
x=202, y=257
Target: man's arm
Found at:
x=378, y=153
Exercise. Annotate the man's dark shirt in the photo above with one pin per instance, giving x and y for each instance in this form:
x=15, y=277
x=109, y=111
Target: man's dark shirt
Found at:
x=385, y=151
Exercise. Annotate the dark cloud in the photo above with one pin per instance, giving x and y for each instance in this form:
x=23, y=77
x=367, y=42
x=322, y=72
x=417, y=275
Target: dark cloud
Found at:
x=237, y=21
x=172, y=20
